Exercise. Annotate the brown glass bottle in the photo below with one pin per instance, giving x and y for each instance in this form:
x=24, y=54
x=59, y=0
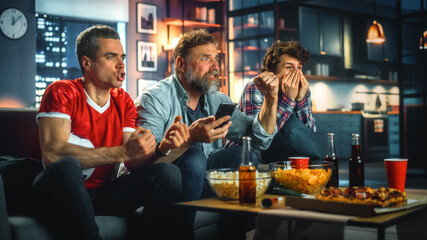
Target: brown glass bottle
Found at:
x=356, y=165
x=247, y=175
x=331, y=157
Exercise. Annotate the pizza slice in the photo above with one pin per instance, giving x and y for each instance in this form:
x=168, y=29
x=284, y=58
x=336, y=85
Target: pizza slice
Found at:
x=381, y=197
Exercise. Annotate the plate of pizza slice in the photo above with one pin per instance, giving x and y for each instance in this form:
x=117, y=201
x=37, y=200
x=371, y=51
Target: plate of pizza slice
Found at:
x=362, y=202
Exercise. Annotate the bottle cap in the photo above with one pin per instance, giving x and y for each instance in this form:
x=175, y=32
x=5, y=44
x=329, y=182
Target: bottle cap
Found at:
x=247, y=138
x=331, y=134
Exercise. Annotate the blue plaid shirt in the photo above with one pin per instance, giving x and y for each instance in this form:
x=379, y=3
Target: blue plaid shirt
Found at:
x=252, y=99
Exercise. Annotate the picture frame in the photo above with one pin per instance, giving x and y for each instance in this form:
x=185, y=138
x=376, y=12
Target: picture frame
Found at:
x=143, y=84
x=146, y=56
x=146, y=18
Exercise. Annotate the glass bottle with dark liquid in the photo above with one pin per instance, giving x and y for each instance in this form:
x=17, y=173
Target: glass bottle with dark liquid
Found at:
x=356, y=165
x=331, y=156
x=247, y=175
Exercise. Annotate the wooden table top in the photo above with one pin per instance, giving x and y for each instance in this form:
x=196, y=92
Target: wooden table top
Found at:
x=216, y=205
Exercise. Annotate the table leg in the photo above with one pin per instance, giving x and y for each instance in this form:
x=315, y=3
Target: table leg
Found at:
x=381, y=233
x=290, y=229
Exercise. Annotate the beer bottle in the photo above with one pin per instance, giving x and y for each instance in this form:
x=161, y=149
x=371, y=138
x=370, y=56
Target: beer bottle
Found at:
x=331, y=157
x=247, y=175
x=356, y=168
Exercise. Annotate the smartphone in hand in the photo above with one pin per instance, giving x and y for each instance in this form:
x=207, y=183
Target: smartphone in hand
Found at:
x=224, y=109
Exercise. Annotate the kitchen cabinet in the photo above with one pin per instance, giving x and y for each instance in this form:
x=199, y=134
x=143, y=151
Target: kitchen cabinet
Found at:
x=393, y=130
x=250, y=34
x=321, y=32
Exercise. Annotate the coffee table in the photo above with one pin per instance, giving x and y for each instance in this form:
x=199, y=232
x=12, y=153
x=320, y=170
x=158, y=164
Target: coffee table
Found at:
x=380, y=222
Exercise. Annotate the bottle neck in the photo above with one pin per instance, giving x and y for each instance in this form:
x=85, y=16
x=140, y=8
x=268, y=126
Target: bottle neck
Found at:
x=246, y=153
x=355, y=141
x=330, y=150
x=355, y=150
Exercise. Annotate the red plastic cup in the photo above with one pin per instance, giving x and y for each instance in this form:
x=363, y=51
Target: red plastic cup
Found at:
x=396, y=172
x=303, y=161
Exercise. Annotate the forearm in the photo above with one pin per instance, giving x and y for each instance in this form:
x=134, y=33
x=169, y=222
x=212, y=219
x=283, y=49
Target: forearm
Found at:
x=267, y=115
x=173, y=155
x=88, y=157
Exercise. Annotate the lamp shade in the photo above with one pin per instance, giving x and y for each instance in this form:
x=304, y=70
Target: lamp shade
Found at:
x=375, y=33
x=423, y=41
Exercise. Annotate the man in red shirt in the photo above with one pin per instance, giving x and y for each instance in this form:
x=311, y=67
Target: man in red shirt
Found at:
x=87, y=127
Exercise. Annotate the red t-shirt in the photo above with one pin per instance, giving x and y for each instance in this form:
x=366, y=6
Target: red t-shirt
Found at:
x=91, y=125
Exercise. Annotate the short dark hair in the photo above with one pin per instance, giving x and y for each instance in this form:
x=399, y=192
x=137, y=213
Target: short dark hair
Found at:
x=279, y=48
x=190, y=40
x=87, y=41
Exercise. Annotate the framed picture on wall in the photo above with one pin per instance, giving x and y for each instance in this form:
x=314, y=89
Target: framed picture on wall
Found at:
x=146, y=18
x=147, y=56
x=143, y=84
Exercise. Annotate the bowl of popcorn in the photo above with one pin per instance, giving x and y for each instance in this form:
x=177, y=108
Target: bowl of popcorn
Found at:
x=225, y=182
x=308, y=179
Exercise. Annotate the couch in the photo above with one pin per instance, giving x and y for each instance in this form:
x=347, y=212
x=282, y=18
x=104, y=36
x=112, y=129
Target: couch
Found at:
x=18, y=133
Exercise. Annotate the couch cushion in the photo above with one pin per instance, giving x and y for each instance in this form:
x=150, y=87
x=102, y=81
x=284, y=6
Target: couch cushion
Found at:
x=18, y=128
x=18, y=176
x=205, y=225
x=4, y=222
x=204, y=218
x=23, y=228
x=30, y=228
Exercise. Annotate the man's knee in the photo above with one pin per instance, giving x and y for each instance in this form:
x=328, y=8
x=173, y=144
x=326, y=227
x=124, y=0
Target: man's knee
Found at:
x=169, y=174
x=64, y=168
x=194, y=159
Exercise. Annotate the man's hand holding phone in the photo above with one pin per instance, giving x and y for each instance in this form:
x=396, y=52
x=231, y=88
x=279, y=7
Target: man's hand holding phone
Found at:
x=224, y=109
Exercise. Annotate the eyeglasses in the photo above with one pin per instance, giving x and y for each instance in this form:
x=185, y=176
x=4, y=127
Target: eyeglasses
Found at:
x=210, y=59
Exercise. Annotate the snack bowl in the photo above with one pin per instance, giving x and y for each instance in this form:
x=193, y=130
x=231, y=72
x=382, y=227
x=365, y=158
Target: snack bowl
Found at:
x=225, y=182
x=308, y=179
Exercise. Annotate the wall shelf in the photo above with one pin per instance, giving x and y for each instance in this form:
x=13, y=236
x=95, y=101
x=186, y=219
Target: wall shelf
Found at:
x=321, y=78
x=247, y=73
x=187, y=23
x=246, y=48
x=286, y=29
x=350, y=80
x=205, y=1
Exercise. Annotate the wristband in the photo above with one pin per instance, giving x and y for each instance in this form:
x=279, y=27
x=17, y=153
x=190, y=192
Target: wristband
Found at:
x=160, y=153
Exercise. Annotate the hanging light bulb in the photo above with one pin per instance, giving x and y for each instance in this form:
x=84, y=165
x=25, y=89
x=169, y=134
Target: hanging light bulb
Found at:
x=423, y=41
x=375, y=32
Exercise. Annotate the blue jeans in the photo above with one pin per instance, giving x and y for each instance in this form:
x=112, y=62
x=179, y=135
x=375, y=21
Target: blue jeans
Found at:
x=193, y=165
x=59, y=191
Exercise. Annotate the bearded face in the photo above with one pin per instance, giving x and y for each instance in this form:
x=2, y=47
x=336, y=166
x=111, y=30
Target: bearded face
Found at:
x=209, y=83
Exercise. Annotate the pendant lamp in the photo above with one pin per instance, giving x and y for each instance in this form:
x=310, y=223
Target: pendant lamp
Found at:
x=423, y=41
x=375, y=32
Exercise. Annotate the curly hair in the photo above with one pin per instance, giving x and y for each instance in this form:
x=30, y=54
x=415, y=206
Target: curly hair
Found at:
x=190, y=40
x=291, y=48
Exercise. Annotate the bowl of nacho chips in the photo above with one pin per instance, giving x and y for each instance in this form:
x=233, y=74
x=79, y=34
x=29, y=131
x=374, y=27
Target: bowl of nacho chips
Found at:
x=307, y=179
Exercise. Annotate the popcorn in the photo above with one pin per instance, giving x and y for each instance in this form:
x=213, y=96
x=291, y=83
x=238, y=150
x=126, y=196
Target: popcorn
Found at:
x=226, y=184
x=303, y=180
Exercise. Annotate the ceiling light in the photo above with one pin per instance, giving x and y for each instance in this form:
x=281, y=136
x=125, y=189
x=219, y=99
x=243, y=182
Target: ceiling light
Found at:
x=423, y=41
x=375, y=32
